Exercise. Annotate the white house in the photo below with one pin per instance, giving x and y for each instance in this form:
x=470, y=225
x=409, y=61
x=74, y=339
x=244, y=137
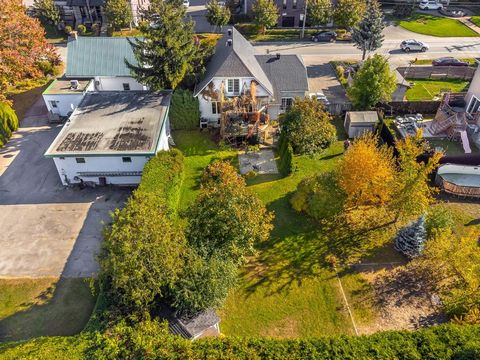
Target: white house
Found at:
x=234, y=68
x=63, y=96
x=110, y=136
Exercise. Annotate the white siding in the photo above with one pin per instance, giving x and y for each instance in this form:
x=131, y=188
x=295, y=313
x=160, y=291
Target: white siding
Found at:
x=65, y=102
x=68, y=168
x=164, y=134
x=106, y=83
x=474, y=89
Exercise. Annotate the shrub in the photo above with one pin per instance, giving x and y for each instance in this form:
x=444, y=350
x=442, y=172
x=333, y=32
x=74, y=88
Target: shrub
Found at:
x=8, y=122
x=68, y=29
x=82, y=29
x=438, y=219
x=184, y=112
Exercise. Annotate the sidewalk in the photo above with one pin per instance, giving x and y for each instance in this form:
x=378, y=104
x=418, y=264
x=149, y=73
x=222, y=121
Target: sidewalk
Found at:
x=466, y=21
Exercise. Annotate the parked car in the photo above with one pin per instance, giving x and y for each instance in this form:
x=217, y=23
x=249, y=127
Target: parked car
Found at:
x=413, y=45
x=449, y=61
x=320, y=96
x=325, y=36
x=430, y=5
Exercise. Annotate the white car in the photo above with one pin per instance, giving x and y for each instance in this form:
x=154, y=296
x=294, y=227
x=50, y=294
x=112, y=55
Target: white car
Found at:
x=413, y=45
x=320, y=96
x=430, y=5
x=186, y=3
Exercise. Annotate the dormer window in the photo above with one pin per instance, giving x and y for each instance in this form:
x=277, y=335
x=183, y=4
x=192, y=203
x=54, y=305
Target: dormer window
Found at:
x=233, y=86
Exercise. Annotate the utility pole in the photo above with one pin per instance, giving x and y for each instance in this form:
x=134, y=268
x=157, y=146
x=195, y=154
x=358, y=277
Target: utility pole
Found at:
x=304, y=20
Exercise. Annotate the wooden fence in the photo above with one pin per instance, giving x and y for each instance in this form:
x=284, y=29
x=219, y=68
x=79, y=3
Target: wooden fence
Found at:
x=437, y=72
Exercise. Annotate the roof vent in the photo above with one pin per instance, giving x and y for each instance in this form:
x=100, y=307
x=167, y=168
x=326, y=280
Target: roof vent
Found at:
x=229, y=42
x=74, y=84
x=229, y=32
x=278, y=55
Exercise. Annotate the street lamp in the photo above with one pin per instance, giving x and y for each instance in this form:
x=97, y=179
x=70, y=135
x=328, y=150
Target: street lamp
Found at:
x=304, y=18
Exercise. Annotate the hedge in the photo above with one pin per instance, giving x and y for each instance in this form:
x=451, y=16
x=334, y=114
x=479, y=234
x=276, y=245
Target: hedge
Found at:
x=184, y=111
x=163, y=175
x=439, y=342
x=8, y=122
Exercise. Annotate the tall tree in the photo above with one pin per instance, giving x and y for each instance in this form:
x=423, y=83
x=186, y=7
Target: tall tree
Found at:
x=308, y=127
x=265, y=14
x=226, y=218
x=319, y=12
x=48, y=11
x=23, y=47
x=167, y=52
x=142, y=253
x=348, y=12
x=374, y=82
x=413, y=193
x=367, y=173
x=217, y=14
x=119, y=13
x=367, y=35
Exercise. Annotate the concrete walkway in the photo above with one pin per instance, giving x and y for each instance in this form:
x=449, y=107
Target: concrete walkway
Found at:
x=466, y=21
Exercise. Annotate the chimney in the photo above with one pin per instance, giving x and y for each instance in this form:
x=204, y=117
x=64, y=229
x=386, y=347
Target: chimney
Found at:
x=278, y=56
x=73, y=35
x=229, y=32
x=229, y=42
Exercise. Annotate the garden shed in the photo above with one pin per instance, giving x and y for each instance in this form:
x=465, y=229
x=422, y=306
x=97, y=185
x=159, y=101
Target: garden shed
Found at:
x=358, y=122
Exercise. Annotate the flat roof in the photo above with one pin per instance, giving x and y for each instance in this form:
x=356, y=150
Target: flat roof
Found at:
x=63, y=86
x=113, y=123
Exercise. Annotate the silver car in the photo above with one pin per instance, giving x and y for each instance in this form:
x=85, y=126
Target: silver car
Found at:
x=413, y=45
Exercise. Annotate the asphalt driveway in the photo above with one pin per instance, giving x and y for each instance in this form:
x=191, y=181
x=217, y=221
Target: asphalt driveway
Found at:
x=45, y=228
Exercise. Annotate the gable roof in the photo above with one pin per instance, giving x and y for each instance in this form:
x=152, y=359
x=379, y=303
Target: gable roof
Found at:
x=363, y=116
x=98, y=56
x=287, y=73
x=236, y=60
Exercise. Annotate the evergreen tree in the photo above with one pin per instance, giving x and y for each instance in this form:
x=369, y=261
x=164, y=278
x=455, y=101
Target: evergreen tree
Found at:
x=167, y=52
x=265, y=14
x=367, y=35
x=319, y=12
x=119, y=13
x=410, y=240
x=47, y=10
x=217, y=14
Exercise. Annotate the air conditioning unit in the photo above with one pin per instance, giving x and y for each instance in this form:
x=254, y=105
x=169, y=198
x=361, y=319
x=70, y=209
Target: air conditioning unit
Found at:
x=74, y=84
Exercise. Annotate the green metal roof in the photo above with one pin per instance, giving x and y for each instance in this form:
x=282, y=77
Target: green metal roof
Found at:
x=99, y=56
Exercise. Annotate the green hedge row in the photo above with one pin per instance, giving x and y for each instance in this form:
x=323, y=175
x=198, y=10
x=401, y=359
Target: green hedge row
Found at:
x=285, y=152
x=8, y=122
x=149, y=342
x=184, y=111
x=163, y=175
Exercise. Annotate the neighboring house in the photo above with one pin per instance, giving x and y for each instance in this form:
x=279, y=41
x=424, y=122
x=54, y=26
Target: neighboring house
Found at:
x=359, y=122
x=93, y=64
x=88, y=12
x=110, y=136
x=244, y=89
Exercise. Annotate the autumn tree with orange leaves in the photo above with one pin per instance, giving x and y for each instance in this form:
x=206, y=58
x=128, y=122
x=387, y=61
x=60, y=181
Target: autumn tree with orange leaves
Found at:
x=24, y=52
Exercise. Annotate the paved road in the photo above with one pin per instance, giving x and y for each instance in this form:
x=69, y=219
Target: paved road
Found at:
x=457, y=47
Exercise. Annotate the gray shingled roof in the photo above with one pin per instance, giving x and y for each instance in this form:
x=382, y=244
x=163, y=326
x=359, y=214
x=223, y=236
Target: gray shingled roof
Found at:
x=237, y=60
x=98, y=56
x=287, y=73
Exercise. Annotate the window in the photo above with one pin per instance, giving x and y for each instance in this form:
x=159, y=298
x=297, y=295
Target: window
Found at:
x=80, y=160
x=54, y=104
x=286, y=103
x=126, y=86
x=294, y=4
x=127, y=159
x=284, y=3
x=474, y=105
x=215, y=107
x=233, y=86
x=62, y=158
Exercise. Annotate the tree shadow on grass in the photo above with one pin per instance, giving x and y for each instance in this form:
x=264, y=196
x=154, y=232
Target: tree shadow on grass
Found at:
x=60, y=310
x=299, y=247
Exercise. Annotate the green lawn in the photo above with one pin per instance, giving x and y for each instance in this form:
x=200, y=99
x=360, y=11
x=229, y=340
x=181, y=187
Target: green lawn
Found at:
x=475, y=20
x=43, y=307
x=286, y=290
x=437, y=26
x=450, y=147
x=429, y=89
